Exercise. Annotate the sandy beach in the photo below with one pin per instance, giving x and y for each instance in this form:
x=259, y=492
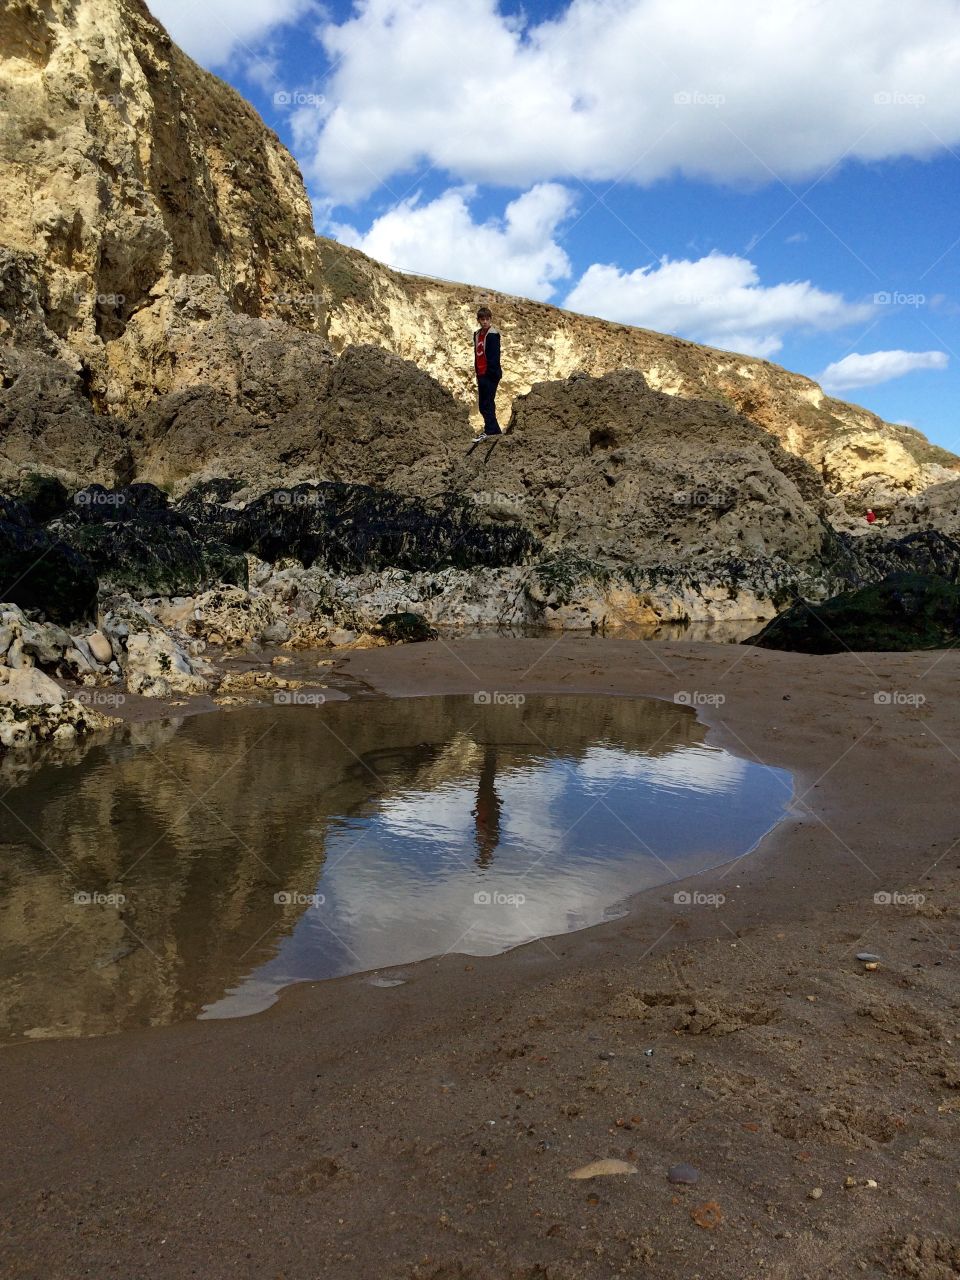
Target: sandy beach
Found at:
x=428, y=1129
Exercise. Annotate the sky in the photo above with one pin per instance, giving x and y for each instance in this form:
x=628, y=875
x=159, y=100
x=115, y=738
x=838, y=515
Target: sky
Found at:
x=779, y=179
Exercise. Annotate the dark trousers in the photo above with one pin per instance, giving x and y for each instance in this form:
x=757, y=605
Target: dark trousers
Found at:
x=487, y=395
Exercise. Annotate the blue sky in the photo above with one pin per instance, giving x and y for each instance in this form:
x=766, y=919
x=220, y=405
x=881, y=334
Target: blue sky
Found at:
x=776, y=179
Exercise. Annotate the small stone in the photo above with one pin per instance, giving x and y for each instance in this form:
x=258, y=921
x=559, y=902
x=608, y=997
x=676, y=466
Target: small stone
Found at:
x=603, y=1169
x=606, y=1055
x=683, y=1175
x=871, y=965
x=100, y=647
x=849, y=1182
x=867, y=957
x=871, y=1183
x=648, y=1053
x=816, y=1193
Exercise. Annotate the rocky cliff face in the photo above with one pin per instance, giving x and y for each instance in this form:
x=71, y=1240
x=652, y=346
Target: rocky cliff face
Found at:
x=125, y=168
x=861, y=458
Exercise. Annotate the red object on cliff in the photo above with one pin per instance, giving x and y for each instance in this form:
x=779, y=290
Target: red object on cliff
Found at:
x=871, y=516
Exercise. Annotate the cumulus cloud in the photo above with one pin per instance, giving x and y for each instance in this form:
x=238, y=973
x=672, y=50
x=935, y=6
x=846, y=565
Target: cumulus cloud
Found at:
x=879, y=366
x=516, y=253
x=717, y=299
x=631, y=90
x=215, y=30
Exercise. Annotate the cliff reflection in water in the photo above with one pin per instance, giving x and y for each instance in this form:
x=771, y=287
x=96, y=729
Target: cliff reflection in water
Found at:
x=229, y=855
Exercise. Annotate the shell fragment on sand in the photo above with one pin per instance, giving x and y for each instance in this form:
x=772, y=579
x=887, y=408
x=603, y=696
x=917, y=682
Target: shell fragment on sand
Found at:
x=603, y=1169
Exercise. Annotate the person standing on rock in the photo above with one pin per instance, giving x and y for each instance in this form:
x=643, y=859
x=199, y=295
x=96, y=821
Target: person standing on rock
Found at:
x=486, y=362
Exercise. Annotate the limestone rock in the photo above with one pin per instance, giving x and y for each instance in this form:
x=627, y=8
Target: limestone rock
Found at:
x=156, y=665
x=29, y=687
x=114, y=92
x=228, y=615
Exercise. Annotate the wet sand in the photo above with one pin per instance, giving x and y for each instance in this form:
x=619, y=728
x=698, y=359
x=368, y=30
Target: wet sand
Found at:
x=427, y=1129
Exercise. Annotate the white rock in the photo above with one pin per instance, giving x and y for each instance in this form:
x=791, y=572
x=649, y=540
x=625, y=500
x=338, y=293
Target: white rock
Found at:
x=45, y=642
x=17, y=658
x=29, y=687
x=155, y=655
x=77, y=663
x=149, y=686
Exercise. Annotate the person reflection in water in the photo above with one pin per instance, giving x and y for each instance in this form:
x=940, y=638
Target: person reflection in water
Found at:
x=487, y=810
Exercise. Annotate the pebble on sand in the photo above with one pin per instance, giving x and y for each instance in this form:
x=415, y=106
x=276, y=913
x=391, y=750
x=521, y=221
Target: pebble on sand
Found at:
x=683, y=1175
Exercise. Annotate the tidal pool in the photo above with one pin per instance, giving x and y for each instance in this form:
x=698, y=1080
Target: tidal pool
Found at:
x=197, y=867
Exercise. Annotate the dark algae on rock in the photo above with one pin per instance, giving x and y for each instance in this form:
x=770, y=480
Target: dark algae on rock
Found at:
x=904, y=611
x=351, y=528
x=41, y=572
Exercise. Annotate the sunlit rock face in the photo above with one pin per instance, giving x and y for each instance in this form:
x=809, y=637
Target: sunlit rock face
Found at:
x=861, y=459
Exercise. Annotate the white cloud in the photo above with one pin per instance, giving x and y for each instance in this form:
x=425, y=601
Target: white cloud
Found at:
x=517, y=253
x=718, y=300
x=879, y=366
x=213, y=31
x=632, y=90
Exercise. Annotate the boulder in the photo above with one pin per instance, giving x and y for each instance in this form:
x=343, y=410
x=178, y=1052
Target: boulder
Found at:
x=902, y=612
x=29, y=687
x=402, y=628
x=156, y=666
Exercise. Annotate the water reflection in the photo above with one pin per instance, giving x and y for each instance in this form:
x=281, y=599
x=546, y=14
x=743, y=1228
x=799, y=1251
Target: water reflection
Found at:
x=487, y=809
x=219, y=859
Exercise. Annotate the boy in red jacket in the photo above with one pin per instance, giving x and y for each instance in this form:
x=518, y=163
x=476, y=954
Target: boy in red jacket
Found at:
x=486, y=362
